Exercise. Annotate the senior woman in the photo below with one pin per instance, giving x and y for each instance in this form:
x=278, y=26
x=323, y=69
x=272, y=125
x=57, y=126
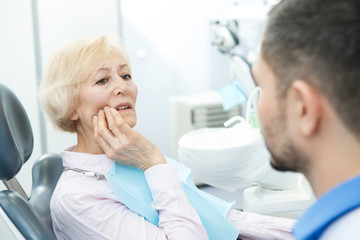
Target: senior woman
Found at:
x=88, y=90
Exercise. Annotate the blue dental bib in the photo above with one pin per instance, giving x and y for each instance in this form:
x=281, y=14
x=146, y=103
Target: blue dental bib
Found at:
x=130, y=186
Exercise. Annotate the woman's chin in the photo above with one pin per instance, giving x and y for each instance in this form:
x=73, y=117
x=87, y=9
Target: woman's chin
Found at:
x=131, y=122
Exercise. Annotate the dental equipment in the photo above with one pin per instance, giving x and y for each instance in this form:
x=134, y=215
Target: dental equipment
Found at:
x=236, y=158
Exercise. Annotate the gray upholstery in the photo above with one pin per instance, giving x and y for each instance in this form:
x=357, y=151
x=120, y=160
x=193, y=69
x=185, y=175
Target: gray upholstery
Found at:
x=45, y=174
x=21, y=214
x=32, y=217
x=16, y=136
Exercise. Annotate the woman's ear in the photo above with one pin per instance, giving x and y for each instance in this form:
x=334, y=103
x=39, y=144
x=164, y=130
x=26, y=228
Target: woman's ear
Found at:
x=74, y=116
x=308, y=107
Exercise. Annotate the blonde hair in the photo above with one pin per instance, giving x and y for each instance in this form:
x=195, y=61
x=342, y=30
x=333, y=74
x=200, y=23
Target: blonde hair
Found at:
x=68, y=67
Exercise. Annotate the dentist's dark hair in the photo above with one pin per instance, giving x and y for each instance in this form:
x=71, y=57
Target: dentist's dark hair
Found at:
x=318, y=41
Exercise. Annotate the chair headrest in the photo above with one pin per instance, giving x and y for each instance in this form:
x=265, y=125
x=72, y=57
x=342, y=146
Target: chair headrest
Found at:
x=16, y=138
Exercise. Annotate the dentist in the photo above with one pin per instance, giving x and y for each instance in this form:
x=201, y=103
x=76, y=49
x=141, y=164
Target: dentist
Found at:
x=309, y=107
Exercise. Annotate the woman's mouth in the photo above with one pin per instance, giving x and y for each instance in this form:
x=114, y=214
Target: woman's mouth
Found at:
x=123, y=107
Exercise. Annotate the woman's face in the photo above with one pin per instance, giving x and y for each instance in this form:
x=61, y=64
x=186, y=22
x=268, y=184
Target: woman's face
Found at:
x=109, y=85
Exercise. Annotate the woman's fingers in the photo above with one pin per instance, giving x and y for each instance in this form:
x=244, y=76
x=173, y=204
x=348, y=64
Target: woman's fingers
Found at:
x=108, y=130
x=103, y=144
x=123, y=144
x=120, y=129
x=103, y=131
x=119, y=121
x=111, y=124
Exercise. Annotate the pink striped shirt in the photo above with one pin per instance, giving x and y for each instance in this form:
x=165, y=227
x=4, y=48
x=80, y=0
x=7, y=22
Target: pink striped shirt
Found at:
x=84, y=207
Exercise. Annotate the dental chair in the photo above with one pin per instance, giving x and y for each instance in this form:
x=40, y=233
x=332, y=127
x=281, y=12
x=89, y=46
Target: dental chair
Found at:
x=27, y=217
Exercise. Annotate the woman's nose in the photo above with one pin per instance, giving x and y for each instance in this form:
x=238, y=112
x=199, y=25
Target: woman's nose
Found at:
x=120, y=86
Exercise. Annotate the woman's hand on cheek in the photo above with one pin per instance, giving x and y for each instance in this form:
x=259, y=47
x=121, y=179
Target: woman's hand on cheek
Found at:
x=122, y=143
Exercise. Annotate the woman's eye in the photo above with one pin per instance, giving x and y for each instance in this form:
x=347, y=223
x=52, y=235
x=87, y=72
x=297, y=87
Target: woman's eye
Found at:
x=102, y=81
x=126, y=76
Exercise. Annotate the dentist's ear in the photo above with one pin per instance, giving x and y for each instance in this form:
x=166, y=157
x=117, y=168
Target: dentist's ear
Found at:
x=74, y=116
x=307, y=107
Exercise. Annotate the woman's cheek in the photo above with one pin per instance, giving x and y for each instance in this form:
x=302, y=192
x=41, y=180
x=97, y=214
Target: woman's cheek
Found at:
x=135, y=93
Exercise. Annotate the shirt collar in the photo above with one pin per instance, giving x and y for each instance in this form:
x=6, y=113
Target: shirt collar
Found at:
x=99, y=163
x=332, y=205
